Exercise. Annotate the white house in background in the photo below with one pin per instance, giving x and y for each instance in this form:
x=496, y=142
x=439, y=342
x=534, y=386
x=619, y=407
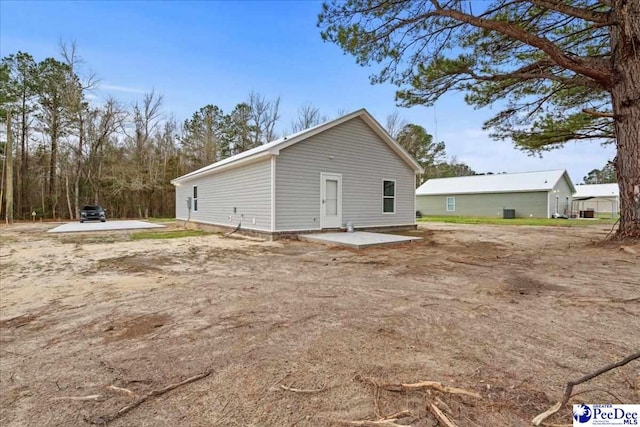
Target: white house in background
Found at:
x=346, y=171
x=530, y=194
x=603, y=198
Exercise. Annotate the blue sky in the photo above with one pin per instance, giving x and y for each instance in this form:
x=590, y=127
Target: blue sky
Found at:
x=198, y=53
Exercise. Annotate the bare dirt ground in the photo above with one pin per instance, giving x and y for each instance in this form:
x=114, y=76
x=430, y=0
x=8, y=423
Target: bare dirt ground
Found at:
x=509, y=312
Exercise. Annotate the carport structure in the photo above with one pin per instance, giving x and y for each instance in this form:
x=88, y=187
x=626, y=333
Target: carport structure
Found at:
x=596, y=198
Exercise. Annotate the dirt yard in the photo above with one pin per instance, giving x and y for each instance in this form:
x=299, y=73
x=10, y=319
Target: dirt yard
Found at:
x=91, y=323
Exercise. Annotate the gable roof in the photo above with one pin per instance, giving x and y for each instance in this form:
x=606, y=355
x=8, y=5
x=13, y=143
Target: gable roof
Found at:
x=585, y=191
x=274, y=147
x=500, y=183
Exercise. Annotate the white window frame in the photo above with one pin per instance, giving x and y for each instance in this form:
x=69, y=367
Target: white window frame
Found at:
x=452, y=198
x=394, y=197
x=194, y=199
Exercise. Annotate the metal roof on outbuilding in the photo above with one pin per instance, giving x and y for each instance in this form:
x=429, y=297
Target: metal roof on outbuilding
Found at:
x=589, y=191
x=499, y=183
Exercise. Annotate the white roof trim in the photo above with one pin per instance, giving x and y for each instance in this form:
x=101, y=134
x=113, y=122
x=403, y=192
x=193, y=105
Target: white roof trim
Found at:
x=273, y=148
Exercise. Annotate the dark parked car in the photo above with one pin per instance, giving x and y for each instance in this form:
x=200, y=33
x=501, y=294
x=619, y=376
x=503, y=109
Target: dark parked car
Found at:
x=92, y=213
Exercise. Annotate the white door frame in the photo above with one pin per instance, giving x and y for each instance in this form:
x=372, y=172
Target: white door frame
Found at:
x=333, y=222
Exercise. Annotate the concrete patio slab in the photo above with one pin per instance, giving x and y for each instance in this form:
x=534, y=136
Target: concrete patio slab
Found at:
x=358, y=239
x=73, y=227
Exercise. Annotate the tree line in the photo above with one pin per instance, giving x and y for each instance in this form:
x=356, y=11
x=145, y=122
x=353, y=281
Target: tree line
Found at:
x=62, y=149
x=606, y=175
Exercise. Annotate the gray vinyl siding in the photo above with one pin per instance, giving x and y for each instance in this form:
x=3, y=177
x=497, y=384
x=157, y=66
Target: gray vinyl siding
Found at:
x=182, y=192
x=363, y=159
x=526, y=204
x=247, y=188
x=564, y=194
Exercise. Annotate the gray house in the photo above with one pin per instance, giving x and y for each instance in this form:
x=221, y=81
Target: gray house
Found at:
x=531, y=194
x=348, y=170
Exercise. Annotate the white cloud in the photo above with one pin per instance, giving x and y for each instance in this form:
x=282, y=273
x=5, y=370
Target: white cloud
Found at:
x=483, y=154
x=125, y=89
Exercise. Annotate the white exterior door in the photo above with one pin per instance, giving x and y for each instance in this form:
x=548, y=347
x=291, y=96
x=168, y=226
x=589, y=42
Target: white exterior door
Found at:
x=330, y=200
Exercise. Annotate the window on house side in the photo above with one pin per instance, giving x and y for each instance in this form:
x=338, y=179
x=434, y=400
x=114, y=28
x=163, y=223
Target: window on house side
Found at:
x=388, y=196
x=195, y=198
x=451, y=204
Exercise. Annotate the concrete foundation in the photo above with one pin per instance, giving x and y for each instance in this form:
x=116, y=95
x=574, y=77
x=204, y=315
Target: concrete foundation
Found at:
x=88, y=226
x=358, y=239
x=279, y=235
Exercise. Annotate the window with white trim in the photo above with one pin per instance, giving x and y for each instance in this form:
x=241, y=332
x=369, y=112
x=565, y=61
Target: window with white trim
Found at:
x=388, y=196
x=195, y=198
x=451, y=204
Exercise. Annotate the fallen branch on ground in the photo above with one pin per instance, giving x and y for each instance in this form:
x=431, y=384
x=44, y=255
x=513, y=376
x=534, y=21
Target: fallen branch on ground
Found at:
x=569, y=387
x=388, y=421
x=440, y=415
x=79, y=398
x=628, y=250
x=546, y=414
x=302, y=390
x=433, y=385
x=108, y=418
x=440, y=403
x=398, y=415
x=599, y=390
x=121, y=390
x=369, y=423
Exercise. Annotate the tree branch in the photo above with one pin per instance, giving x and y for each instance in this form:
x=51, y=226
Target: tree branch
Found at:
x=600, y=75
x=578, y=12
x=598, y=113
x=569, y=388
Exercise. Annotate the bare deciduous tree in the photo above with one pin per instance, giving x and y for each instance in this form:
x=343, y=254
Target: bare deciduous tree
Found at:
x=395, y=124
x=263, y=116
x=308, y=116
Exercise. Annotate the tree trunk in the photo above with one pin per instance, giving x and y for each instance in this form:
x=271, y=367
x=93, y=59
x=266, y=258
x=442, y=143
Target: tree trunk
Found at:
x=76, y=198
x=66, y=184
x=625, y=94
x=9, y=160
x=22, y=192
x=42, y=197
x=4, y=166
x=53, y=164
x=76, y=184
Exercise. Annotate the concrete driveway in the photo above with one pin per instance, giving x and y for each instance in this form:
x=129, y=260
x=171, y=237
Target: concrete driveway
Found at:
x=77, y=226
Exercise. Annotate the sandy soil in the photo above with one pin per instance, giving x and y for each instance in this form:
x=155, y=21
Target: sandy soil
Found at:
x=509, y=312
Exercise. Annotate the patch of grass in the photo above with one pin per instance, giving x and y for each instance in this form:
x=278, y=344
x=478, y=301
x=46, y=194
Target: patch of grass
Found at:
x=171, y=234
x=161, y=220
x=516, y=221
x=82, y=238
x=606, y=215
